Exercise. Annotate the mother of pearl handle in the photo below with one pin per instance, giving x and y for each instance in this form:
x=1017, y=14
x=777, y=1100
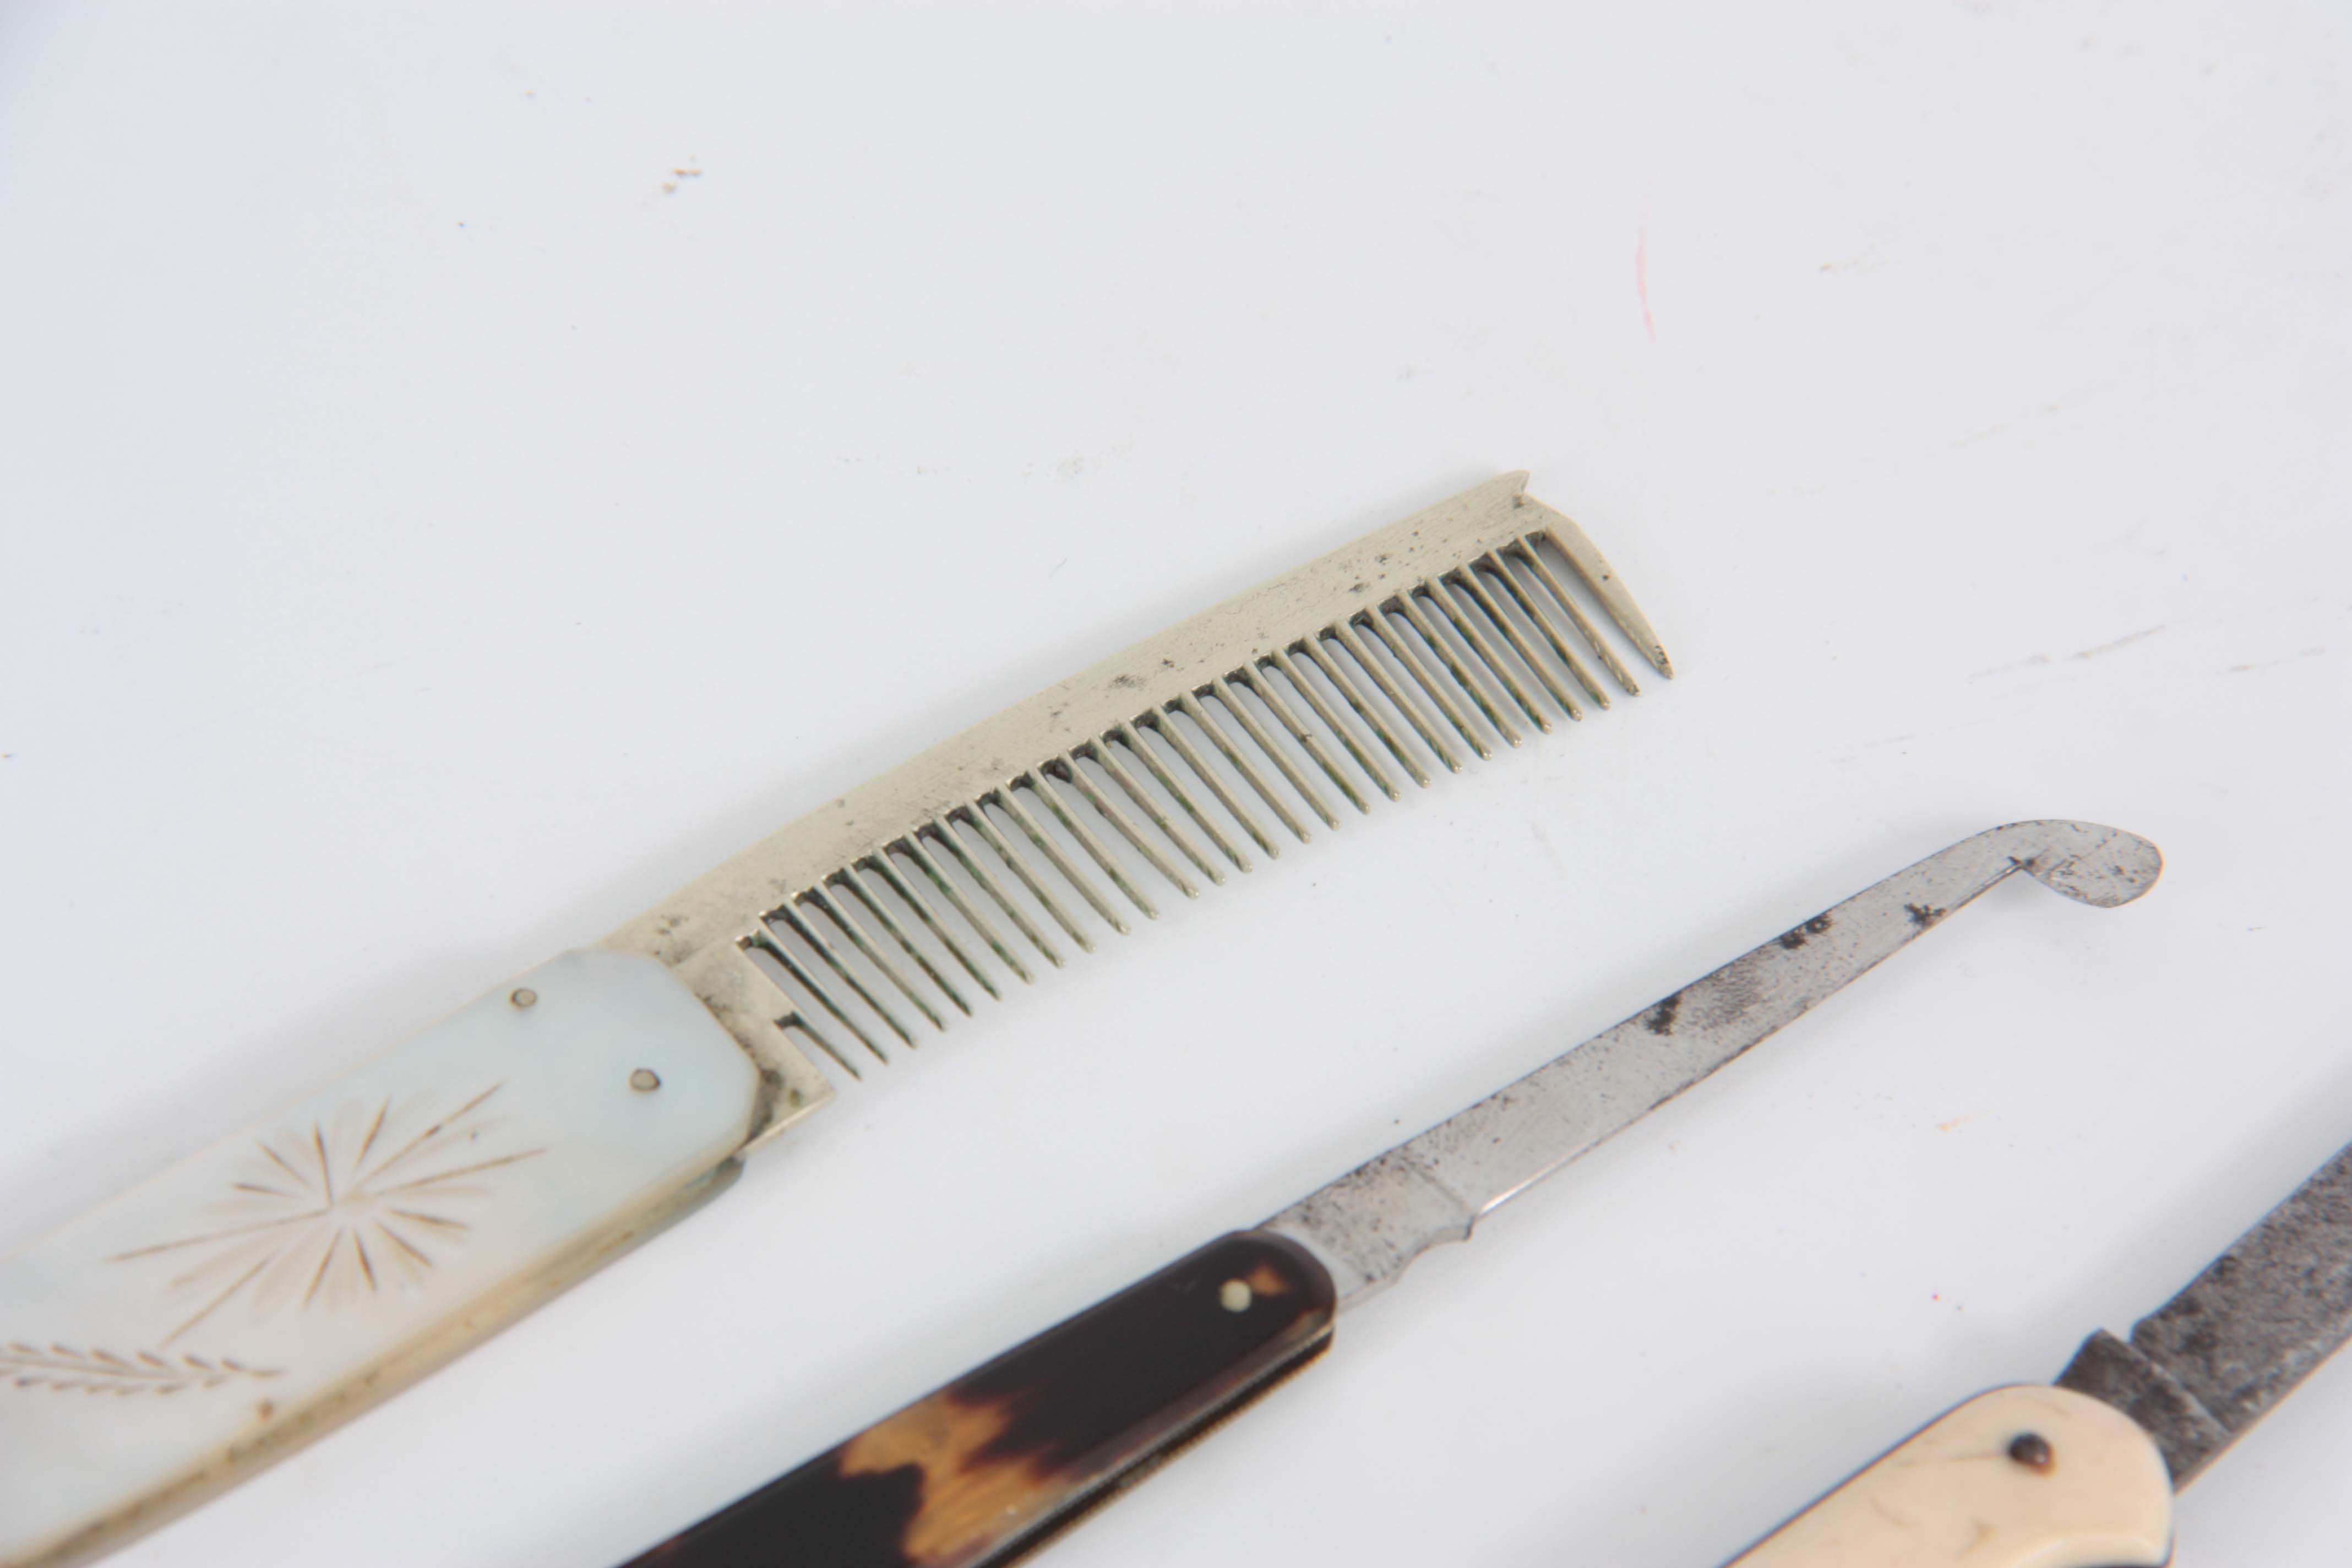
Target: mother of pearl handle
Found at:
x=2021, y=1477
x=168, y=1342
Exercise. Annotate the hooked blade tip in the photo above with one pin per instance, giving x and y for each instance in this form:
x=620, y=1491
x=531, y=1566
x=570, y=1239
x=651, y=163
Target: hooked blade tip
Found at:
x=2095, y=865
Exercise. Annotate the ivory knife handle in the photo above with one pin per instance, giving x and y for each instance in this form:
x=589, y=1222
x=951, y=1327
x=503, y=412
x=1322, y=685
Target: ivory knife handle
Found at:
x=173, y=1339
x=983, y=1471
x=2019, y=1477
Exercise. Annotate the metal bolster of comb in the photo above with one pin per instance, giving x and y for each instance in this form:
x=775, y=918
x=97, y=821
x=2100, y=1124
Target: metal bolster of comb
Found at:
x=875, y=917
x=172, y=1340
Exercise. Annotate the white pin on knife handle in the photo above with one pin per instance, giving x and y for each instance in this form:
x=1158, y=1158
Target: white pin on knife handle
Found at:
x=2019, y=1477
x=168, y=1342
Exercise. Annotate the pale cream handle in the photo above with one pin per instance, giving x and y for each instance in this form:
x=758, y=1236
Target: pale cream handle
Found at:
x=2021, y=1477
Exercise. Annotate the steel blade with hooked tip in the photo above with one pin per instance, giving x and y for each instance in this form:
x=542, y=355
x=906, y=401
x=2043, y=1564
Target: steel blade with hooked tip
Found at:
x=1368, y=1225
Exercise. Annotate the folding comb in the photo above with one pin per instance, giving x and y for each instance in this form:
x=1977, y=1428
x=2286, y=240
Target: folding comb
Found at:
x=249, y=1297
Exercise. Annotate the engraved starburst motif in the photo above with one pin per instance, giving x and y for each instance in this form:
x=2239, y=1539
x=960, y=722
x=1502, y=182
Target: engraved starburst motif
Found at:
x=363, y=1202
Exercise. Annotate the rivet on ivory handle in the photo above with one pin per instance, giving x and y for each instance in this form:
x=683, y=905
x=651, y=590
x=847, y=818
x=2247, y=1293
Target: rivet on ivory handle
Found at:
x=2021, y=1477
x=166, y=1343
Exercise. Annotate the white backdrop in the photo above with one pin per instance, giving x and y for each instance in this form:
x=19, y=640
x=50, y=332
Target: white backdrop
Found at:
x=467, y=470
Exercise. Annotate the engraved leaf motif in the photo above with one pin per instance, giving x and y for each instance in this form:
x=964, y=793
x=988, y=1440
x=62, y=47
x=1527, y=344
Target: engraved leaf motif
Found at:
x=63, y=1369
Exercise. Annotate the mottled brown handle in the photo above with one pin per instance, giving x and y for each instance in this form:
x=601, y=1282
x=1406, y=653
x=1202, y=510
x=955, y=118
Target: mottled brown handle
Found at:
x=989, y=1467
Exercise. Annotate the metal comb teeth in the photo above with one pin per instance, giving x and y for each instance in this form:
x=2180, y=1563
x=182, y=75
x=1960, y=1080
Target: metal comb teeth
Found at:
x=870, y=923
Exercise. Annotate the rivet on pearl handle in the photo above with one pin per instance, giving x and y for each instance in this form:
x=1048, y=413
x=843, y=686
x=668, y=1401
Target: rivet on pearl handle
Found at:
x=2021, y=1477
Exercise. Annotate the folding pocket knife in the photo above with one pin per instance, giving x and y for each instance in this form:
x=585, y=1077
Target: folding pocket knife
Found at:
x=983, y=1471
x=180, y=1336
x=2081, y=1473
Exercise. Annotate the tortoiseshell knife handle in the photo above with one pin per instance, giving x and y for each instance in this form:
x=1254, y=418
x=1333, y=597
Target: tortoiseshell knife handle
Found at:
x=991, y=1465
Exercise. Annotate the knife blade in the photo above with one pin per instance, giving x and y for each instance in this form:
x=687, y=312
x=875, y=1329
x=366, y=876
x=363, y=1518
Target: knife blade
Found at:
x=991, y=1465
x=2081, y=1473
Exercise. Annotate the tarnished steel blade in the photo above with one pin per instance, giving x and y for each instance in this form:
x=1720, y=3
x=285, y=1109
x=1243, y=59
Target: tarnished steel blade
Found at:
x=2211, y=1362
x=1371, y=1222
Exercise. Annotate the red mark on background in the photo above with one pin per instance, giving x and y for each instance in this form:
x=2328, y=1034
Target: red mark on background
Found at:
x=1642, y=275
